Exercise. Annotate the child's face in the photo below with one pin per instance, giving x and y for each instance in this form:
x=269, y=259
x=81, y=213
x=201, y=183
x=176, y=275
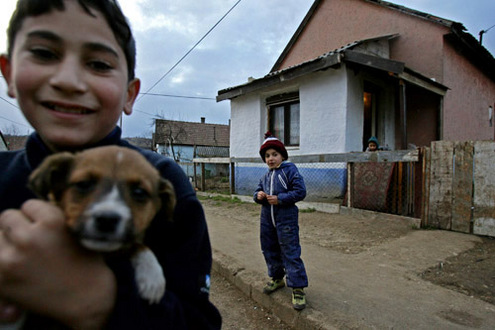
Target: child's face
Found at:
x=273, y=158
x=69, y=76
x=372, y=146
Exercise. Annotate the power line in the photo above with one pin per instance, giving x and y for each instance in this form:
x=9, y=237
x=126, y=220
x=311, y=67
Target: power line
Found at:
x=482, y=32
x=146, y=113
x=14, y=122
x=7, y=101
x=489, y=28
x=180, y=96
x=190, y=50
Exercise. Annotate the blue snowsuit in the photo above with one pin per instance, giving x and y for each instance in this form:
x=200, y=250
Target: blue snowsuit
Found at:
x=279, y=227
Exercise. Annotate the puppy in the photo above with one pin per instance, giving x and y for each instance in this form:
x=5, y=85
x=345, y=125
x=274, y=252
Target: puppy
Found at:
x=109, y=196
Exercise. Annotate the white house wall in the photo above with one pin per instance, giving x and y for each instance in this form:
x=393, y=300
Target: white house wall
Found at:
x=323, y=98
x=323, y=102
x=246, y=126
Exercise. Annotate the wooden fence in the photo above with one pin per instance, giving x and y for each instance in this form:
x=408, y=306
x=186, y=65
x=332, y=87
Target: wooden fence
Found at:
x=459, y=187
x=456, y=189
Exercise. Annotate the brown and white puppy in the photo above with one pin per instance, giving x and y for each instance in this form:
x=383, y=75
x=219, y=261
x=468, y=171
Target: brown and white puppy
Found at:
x=109, y=196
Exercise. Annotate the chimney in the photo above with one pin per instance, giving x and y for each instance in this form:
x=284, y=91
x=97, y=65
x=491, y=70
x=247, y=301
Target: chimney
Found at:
x=202, y=120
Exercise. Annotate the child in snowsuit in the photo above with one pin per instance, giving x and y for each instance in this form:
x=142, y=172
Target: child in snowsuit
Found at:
x=278, y=191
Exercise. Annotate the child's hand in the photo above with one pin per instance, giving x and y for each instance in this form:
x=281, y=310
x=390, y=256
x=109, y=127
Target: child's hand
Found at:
x=261, y=195
x=43, y=269
x=272, y=199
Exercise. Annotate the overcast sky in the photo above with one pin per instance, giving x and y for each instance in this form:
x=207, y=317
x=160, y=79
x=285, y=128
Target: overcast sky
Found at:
x=247, y=42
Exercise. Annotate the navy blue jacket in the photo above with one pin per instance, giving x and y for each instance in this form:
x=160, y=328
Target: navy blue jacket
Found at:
x=285, y=182
x=182, y=247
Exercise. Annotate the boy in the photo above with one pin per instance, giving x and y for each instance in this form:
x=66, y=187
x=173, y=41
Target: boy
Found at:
x=277, y=192
x=70, y=64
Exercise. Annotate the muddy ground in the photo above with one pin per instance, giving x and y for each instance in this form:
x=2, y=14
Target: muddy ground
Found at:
x=471, y=272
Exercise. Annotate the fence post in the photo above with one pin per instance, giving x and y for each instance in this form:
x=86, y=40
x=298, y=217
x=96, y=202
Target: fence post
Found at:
x=350, y=182
x=232, y=178
x=203, y=177
x=425, y=182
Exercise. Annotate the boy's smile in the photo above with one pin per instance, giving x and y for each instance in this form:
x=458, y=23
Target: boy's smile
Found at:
x=69, y=75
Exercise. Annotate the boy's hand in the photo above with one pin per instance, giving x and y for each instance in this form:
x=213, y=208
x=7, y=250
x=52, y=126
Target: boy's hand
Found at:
x=9, y=313
x=272, y=199
x=261, y=195
x=43, y=269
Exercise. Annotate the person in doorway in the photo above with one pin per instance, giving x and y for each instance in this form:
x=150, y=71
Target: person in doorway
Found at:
x=373, y=144
x=278, y=192
x=70, y=65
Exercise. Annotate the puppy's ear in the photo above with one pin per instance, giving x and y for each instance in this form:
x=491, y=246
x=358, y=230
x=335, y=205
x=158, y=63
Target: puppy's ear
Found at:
x=167, y=194
x=49, y=180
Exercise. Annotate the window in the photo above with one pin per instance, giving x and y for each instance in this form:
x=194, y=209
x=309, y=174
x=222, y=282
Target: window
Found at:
x=283, y=117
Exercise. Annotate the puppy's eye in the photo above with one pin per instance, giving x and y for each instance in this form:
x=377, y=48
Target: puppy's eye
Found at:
x=85, y=186
x=139, y=194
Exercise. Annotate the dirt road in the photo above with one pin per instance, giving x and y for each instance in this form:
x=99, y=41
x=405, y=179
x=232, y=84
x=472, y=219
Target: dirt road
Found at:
x=239, y=311
x=468, y=271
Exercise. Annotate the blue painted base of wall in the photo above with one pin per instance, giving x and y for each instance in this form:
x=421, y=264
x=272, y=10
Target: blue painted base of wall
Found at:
x=322, y=184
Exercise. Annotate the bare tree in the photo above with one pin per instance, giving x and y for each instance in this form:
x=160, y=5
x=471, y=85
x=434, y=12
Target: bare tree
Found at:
x=172, y=132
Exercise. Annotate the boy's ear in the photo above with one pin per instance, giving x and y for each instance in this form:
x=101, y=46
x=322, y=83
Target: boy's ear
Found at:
x=6, y=69
x=133, y=88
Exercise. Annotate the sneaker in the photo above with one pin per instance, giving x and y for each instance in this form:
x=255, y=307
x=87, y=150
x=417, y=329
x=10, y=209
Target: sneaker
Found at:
x=298, y=299
x=273, y=285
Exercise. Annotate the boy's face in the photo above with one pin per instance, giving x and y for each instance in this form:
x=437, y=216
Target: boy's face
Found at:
x=273, y=158
x=69, y=76
x=372, y=146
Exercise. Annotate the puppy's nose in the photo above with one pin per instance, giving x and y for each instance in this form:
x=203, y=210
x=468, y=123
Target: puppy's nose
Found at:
x=107, y=222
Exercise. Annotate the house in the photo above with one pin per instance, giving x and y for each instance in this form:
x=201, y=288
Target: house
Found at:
x=3, y=143
x=15, y=142
x=184, y=141
x=361, y=68
x=141, y=142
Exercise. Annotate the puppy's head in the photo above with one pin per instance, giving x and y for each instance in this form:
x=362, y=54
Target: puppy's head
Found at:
x=108, y=194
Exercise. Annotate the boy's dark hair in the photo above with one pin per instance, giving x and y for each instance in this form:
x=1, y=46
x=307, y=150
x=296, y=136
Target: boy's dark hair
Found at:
x=109, y=8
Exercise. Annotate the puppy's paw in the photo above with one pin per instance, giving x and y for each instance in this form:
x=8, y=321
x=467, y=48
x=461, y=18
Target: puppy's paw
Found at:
x=149, y=276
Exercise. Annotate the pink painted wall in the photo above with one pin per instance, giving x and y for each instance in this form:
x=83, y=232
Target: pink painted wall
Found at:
x=337, y=23
x=466, y=104
x=420, y=46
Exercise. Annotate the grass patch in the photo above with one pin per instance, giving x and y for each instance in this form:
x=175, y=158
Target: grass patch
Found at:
x=309, y=210
x=220, y=198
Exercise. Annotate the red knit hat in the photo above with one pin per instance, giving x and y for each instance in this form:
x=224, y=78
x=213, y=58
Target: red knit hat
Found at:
x=272, y=142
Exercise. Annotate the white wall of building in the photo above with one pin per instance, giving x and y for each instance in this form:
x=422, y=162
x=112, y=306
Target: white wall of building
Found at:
x=323, y=105
x=323, y=113
x=245, y=129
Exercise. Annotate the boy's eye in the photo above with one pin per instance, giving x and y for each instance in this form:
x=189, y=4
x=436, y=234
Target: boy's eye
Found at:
x=100, y=66
x=44, y=54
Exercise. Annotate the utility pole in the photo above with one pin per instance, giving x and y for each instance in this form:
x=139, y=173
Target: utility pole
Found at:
x=482, y=32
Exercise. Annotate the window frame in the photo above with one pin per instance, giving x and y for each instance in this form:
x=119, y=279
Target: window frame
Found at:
x=286, y=100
